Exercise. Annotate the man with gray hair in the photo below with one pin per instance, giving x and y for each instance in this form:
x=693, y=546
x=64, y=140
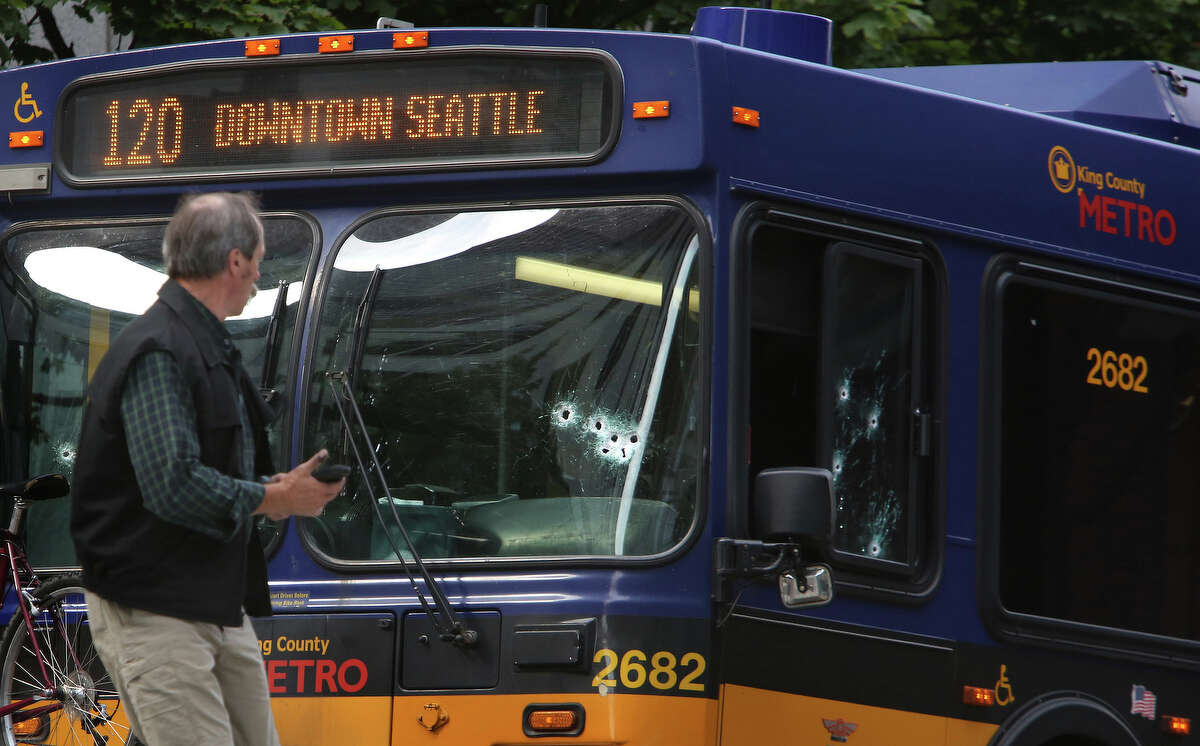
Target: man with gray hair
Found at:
x=167, y=483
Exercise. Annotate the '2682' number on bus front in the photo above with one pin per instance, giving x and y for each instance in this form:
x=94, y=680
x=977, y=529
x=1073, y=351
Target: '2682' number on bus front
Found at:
x=1118, y=370
x=661, y=673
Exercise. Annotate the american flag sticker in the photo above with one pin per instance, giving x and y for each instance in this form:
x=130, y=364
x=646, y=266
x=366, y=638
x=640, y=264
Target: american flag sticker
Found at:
x=1142, y=702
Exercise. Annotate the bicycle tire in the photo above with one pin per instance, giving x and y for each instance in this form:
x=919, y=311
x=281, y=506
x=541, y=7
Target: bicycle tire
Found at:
x=91, y=714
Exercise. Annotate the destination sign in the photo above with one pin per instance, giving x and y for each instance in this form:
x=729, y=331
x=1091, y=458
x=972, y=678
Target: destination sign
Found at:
x=464, y=109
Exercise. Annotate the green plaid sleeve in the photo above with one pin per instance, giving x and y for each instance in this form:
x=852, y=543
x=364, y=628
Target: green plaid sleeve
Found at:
x=160, y=429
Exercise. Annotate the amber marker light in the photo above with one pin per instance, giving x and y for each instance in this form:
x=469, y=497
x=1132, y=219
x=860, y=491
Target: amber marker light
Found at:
x=262, y=48
x=553, y=719
x=31, y=139
x=410, y=39
x=1176, y=725
x=556, y=720
x=651, y=109
x=747, y=117
x=333, y=44
x=32, y=728
x=978, y=696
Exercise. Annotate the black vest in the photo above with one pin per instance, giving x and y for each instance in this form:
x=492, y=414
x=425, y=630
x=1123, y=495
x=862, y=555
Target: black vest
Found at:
x=128, y=554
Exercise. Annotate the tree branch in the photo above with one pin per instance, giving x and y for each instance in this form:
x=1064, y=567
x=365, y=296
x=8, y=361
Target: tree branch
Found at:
x=61, y=49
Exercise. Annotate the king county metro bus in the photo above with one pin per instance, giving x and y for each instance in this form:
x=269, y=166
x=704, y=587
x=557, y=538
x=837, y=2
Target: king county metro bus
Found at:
x=697, y=391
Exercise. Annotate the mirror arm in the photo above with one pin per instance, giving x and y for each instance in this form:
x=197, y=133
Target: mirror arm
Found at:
x=800, y=585
x=735, y=559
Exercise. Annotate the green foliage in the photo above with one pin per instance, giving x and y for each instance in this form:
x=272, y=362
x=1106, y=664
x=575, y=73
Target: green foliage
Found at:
x=867, y=32
x=15, y=32
x=604, y=14
x=877, y=33
x=949, y=32
x=156, y=22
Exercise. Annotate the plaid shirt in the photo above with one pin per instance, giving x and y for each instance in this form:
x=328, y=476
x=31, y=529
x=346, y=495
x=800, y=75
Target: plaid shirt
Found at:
x=160, y=429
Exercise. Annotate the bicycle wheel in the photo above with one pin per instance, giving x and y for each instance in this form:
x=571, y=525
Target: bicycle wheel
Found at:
x=84, y=709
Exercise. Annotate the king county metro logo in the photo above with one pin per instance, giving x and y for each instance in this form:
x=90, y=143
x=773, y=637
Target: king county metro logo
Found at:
x=1062, y=169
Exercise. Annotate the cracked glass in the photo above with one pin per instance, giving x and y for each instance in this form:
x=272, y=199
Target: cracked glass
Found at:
x=869, y=356
x=835, y=380
x=66, y=291
x=529, y=379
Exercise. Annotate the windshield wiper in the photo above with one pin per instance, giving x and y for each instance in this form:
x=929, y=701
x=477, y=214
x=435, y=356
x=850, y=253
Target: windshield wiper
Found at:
x=271, y=352
x=445, y=622
x=362, y=326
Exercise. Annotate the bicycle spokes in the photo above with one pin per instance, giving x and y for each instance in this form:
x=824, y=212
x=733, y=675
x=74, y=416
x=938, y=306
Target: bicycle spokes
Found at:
x=78, y=704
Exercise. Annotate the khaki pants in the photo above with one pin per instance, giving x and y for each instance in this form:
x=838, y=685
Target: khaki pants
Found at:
x=184, y=683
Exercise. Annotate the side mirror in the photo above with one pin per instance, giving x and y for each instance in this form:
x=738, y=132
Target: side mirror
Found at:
x=793, y=503
x=796, y=504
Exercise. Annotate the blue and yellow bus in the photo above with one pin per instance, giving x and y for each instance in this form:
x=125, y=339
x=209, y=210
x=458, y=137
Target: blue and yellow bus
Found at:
x=696, y=391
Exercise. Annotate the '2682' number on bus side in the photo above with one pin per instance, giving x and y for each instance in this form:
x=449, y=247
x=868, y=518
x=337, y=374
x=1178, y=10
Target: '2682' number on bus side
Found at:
x=1118, y=370
x=661, y=672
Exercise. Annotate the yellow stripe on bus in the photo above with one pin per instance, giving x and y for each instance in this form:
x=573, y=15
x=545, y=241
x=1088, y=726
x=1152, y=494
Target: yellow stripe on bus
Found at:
x=362, y=721
x=753, y=717
x=644, y=720
x=482, y=719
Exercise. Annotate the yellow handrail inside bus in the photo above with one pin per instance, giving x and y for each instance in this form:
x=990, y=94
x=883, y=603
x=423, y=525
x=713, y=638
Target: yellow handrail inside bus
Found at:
x=595, y=282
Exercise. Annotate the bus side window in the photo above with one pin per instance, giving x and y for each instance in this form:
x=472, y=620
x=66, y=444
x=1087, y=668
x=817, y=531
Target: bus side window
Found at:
x=1093, y=493
x=870, y=376
x=835, y=376
x=785, y=274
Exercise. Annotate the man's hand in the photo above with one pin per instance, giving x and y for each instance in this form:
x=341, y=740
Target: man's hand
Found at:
x=297, y=493
x=273, y=516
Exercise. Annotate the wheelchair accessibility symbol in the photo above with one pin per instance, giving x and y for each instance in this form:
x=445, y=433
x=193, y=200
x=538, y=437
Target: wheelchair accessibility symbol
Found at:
x=26, y=103
x=1003, y=690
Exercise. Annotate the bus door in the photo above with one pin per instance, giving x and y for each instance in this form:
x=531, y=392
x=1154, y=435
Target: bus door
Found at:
x=834, y=414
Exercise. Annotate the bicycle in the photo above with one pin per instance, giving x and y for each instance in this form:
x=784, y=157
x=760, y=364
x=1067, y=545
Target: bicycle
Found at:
x=54, y=688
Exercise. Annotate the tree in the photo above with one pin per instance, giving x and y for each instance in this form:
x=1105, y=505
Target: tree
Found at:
x=867, y=33
x=15, y=27
x=597, y=14
x=1044, y=30
x=951, y=32
x=155, y=22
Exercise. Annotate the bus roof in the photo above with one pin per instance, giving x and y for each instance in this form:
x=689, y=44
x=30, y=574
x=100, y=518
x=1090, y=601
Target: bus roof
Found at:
x=1144, y=98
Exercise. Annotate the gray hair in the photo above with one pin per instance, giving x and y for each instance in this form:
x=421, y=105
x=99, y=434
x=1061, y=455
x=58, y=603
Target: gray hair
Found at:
x=205, y=228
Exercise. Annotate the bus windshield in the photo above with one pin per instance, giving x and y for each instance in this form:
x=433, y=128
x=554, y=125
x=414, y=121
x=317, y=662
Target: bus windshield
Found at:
x=68, y=289
x=529, y=379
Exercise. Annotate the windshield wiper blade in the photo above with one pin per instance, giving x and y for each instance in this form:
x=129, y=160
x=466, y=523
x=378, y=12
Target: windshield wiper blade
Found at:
x=362, y=328
x=445, y=622
x=271, y=351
